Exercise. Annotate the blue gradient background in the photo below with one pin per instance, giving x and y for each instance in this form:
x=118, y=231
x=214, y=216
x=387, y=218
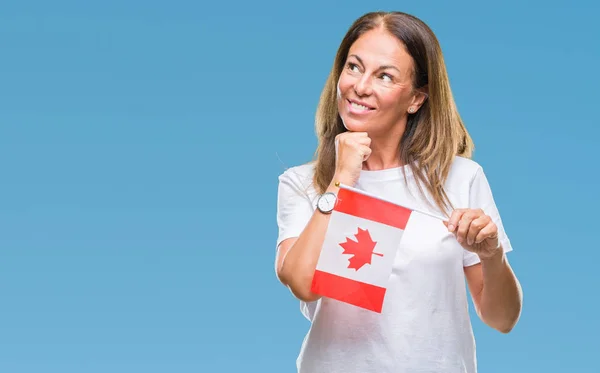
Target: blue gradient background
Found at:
x=140, y=144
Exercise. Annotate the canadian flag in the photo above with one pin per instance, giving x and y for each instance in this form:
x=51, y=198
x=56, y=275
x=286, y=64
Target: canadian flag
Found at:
x=359, y=249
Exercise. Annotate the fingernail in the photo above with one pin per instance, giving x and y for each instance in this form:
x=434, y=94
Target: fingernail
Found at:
x=451, y=227
x=470, y=241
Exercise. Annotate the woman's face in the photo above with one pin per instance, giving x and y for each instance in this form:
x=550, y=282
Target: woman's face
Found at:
x=375, y=86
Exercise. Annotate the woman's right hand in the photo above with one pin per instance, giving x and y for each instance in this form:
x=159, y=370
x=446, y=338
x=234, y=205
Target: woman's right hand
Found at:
x=352, y=149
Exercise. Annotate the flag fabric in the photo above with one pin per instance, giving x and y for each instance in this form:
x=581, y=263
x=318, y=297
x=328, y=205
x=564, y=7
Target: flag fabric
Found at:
x=358, y=252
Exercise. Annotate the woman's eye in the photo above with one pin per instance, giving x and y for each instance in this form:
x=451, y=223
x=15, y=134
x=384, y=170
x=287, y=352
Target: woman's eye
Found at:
x=386, y=78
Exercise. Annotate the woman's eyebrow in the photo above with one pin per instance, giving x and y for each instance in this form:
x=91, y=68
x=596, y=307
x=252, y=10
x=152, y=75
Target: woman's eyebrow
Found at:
x=380, y=68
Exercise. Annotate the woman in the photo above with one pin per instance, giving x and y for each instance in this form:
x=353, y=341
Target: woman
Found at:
x=387, y=124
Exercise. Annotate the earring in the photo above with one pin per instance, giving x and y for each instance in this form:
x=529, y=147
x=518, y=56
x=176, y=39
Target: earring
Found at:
x=411, y=110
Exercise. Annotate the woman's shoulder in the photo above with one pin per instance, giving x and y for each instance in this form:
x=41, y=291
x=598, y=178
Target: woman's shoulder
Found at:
x=304, y=170
x=463, y=170
x=299, y=177
x=299, y=173
x=464, y=164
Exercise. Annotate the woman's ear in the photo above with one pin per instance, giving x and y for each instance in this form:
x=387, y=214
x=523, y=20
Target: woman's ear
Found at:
x=421, y=94
x=418, y=100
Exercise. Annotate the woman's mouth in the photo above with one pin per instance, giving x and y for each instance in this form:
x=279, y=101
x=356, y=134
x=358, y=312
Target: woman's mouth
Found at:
x=358, y=108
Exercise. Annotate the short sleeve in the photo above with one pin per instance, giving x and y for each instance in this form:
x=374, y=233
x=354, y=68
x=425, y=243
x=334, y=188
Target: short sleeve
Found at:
x=294, y=204
x=480, y=196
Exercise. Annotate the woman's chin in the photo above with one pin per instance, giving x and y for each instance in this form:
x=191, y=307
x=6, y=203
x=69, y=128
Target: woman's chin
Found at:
x=355, y=125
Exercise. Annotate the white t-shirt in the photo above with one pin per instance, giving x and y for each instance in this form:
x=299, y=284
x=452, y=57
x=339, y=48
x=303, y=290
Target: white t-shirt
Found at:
x=424, y=325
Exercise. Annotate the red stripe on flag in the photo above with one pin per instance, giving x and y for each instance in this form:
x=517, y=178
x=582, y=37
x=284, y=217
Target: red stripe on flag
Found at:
x=349, y=291
x=367, y=207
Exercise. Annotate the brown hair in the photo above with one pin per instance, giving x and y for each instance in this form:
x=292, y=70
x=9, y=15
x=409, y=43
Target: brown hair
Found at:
x=433, y=135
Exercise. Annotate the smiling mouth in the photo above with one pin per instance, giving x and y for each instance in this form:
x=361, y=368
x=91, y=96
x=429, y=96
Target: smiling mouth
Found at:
x=360, y=107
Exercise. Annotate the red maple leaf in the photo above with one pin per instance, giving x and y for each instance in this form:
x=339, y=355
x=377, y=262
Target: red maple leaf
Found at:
x=362, y=249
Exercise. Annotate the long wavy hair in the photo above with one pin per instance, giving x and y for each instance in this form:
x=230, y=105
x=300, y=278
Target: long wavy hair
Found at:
x=434, y=135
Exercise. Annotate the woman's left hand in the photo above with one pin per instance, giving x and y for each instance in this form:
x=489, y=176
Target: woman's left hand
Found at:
x=475, y=231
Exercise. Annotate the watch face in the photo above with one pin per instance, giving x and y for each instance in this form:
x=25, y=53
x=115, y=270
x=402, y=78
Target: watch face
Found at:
x=327, y=202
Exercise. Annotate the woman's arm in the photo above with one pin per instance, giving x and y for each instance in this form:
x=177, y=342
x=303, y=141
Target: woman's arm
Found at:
x=496, y=292
x=297, y=257
x=494, y=287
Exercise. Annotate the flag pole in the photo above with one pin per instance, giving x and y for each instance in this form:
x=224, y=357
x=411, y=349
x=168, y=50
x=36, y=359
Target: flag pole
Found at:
x=340, y=185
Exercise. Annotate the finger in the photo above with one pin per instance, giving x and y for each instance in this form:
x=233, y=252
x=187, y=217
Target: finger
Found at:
x=454, y=218
x=489, y=231
x=351, y=143
x=464, y=225
x=475, y=227
x=344, y=137
x=364, y=140
x=365, y=151
x=352, y=135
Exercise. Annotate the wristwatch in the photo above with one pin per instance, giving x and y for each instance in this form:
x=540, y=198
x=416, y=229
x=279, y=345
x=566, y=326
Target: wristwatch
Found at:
x=326, y=202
